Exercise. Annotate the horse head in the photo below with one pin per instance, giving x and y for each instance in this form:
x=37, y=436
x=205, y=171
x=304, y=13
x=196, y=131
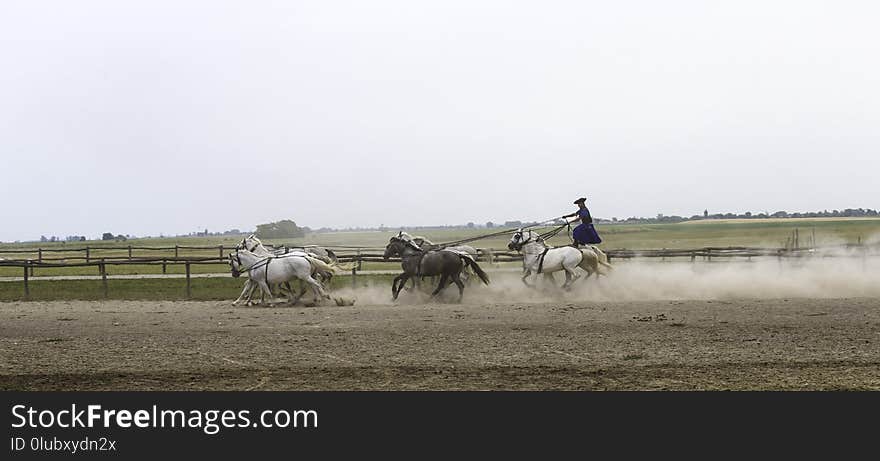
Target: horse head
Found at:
x=250, y=243
x=235, y=264
x=518, y=239
x=394, y=247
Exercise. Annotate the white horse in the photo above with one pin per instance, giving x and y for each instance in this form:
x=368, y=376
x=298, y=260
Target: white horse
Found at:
x=254, y=245
x=265, y=271
x=538, y=257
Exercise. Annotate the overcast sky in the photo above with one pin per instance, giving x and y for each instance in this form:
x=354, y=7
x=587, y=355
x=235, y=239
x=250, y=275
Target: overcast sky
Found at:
x=148, y=117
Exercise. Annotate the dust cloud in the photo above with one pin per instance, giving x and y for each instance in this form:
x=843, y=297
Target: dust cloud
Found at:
x=821, y=276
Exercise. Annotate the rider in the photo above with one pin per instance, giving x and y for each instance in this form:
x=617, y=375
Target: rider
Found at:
x=584, y=234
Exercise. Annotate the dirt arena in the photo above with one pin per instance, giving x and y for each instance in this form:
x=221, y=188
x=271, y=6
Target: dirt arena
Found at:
x=791, y=343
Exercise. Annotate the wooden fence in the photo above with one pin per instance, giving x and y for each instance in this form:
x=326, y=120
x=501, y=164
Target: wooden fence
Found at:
x=89, y=257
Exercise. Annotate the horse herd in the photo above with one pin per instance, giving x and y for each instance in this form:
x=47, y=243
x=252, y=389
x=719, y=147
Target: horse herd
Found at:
x=314, y=267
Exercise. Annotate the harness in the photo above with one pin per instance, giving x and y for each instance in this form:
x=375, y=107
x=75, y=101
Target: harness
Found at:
x=546, y=250
x=263, y=262
x=541, y=260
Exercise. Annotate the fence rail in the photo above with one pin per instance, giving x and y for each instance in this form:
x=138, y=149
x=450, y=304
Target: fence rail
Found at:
x=361, y=255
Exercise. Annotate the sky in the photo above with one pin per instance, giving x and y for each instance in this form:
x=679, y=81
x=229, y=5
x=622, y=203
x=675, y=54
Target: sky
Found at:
x=168, y=117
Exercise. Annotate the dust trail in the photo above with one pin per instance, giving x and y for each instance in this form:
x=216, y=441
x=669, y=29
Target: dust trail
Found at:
x=839, y=275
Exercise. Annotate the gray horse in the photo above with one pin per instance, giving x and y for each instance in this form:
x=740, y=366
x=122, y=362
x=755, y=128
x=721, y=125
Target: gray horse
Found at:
x=417, y=263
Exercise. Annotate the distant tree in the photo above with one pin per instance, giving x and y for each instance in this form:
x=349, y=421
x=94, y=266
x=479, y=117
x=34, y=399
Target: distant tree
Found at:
x=471, y=225
x=490, y=225
x=43, y=238
x=107, y=236
x=281, y=229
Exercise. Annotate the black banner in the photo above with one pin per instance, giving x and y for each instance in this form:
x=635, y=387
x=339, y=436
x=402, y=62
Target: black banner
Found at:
x=230, y=425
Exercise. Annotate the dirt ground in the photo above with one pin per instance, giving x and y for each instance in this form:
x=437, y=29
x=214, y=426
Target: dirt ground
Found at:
x=754, y=344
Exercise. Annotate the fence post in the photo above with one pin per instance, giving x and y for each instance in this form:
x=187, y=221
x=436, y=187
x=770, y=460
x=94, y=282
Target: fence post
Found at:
x=103, y=276
x=163, y=265
x=88, y=258
x=188, y=286
x=40, y=255
x=221, y=251
x=129, y=252
x=354, y=277
x=175, y=251
x=27, y=289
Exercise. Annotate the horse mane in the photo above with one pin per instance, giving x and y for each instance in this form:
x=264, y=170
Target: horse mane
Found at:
x=423, y=240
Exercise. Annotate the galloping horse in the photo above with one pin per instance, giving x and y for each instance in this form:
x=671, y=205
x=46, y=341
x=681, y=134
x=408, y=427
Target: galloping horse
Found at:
x=417, y=263
x=266, y=271
x=424, y=244
x=538, y=257
x=252, y=244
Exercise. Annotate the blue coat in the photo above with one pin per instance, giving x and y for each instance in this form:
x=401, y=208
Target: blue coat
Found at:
x=585, y=233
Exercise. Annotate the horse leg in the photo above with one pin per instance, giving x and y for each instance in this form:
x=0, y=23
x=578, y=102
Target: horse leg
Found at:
x=444, y=279
x=394, y=288
x=526, y=274
x=316, y=287
x=302, y=291
x=250, y=296
x=457, y=279
x=264, y=288
x=570, y=275
x=244, y=291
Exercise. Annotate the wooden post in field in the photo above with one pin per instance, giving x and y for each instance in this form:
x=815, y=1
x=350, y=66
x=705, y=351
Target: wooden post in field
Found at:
x=188, y=286
x=175, y=251
x=129, y=252
x=221, y=251
x=163, y=266
x=693, y=256
x=88, y=259
x=27, y=289
x=354, y=277
x=40, y=255
x=103, y=269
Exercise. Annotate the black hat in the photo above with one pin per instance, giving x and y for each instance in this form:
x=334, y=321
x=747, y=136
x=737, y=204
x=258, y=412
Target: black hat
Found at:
x=582, y=199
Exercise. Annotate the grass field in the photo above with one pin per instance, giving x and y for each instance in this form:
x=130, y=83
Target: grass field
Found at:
x=202, y=289
x=696, y=234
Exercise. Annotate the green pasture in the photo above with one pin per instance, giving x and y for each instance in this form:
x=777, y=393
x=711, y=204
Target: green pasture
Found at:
x=720, y=233
x=202, y=289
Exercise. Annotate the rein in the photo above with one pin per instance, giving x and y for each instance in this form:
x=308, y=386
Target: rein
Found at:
x=260, y=263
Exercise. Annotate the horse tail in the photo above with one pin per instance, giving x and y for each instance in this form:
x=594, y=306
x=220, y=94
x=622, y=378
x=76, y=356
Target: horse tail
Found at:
x=344, y=267
x=603, y=258
x=320, y=265
x=477, y=270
